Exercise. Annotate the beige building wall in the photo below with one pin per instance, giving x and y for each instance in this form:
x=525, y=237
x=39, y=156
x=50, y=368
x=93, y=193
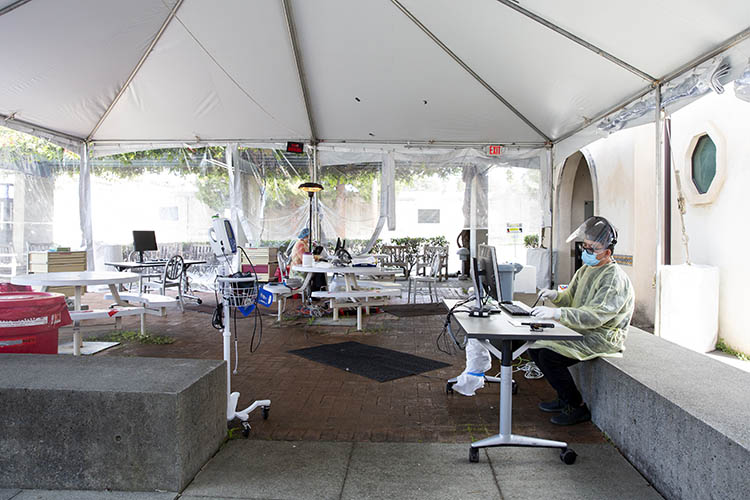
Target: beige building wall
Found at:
x=624, y=164
x=717, y=230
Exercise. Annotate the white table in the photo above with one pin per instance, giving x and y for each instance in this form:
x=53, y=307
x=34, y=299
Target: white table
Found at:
x=77, y=279
x=149, y=264
x=498, y=327
x=355, y=295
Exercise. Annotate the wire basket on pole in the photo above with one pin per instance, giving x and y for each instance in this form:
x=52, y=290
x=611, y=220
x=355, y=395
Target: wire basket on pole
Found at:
x=238, y=291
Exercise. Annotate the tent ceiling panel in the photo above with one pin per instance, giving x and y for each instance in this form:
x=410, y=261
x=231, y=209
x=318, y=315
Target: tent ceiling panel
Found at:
x=656, y=37
x=372, y=52
x=224, y=73
x=61, y=66
x=555, y=82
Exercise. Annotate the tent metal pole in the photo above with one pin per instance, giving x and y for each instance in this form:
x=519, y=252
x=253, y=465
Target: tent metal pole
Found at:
x=315, y=213
x=580, y=41
x=300, y=67
x=468, y=69
x=727, y=44
x=142, y=60
x=551, y=160
x=659, y=169
x=739, y=37
x=84, y=207
x=12, y=6
x=61, y=138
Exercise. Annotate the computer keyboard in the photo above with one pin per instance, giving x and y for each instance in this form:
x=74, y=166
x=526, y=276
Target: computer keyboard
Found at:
x=514, y=310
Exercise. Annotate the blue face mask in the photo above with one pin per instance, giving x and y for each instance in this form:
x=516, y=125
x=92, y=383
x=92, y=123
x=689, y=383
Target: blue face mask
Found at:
x=589, y=259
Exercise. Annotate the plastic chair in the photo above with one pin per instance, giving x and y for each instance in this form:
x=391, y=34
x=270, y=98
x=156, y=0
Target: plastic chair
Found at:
x=171, y=277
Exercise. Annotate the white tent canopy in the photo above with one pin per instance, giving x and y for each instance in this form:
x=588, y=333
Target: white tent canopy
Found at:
x=434, y=72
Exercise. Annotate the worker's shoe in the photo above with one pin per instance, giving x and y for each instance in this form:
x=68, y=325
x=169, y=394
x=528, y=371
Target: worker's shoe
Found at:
x=572, y=415
x=554, y=406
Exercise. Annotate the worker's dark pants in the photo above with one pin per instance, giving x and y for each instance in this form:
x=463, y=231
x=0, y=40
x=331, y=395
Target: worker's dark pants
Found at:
x=555, y=369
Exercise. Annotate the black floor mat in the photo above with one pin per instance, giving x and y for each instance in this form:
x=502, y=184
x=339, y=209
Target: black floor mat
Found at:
x=406, y=310
x=376, y=363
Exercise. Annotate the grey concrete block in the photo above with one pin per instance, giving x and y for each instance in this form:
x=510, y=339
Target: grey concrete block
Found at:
x=274, y=469
x=417, y=471
x=108, y=423
x=599, y=472
x=680, y=417
x=8, y=494
x=93, y=495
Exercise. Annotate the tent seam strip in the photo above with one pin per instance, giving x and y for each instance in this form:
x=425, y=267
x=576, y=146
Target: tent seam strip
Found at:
x=141, y=61
x=12, y=6
x=231, y=78
x=300, y=68
x=468, y=69
x=580, y=41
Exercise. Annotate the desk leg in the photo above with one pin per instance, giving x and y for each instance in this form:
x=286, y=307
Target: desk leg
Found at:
x=505, y=437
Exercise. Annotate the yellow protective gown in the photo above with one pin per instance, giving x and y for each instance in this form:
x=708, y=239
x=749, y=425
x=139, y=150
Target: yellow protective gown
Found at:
x=598, y=304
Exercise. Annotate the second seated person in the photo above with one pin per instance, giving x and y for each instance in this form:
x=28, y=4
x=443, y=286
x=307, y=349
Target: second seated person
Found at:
x=300, y=248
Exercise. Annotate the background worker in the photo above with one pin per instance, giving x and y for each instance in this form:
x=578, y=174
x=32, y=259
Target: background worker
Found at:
x=301, y=247
x=598, y=304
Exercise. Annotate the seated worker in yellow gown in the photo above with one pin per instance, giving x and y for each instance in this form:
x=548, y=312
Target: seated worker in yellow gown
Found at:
x=598, y=304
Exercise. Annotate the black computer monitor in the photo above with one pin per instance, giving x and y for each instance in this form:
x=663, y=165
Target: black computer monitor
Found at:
x=144, y=241
x=485, y=279
x=489, y=273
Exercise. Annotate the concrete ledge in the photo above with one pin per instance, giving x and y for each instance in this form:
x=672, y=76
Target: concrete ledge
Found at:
x=680, y=417
x=128, y=424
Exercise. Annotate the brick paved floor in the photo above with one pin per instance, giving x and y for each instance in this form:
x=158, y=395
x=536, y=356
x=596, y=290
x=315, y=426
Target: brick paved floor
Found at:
x=312, y=401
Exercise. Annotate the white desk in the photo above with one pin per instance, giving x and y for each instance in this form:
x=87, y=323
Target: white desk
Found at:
x=355, y=295
x=497, y=327
x=77, y=279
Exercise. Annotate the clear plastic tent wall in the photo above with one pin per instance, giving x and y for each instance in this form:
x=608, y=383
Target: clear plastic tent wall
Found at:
x=39, y=201
x=176, y=192
x=435, y=194
x=270, y=206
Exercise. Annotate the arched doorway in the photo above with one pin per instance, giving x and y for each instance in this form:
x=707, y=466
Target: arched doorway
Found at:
x=576, y=201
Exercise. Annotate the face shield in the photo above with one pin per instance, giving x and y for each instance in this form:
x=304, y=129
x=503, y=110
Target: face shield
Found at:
x=598, y=231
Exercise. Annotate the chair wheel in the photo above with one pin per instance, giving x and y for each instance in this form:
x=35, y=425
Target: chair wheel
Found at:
x=473, y=454
x=568, y=456
x=449, y=388
x=245, y=429
x=264, y=411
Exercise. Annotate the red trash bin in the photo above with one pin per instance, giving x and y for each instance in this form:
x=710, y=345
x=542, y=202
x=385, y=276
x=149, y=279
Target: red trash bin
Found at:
x=29, y=321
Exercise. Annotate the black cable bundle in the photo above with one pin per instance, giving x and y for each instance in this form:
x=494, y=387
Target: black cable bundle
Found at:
x=446, y=341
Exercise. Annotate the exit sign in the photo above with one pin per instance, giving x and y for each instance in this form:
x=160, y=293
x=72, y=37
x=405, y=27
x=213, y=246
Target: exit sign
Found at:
x=494, y=150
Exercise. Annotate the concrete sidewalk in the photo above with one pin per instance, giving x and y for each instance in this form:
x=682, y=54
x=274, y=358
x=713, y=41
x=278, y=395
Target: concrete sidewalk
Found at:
x=250, y=469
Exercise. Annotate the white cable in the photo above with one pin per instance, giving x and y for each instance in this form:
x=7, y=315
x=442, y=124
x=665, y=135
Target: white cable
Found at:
x=531, y=371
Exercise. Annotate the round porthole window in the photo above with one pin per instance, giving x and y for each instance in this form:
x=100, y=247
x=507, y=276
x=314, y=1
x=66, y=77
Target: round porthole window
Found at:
x=703, y=163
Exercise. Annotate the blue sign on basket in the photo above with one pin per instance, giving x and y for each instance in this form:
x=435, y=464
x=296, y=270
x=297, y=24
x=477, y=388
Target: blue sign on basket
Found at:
x=246, y=310
x=265, y=298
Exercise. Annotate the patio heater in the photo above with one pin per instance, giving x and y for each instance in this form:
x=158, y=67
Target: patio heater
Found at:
x=310, y=188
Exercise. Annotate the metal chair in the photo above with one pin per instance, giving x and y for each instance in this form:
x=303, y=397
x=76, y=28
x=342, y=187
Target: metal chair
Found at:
x=430, y=280
x=170, y=277
x=287, y=287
